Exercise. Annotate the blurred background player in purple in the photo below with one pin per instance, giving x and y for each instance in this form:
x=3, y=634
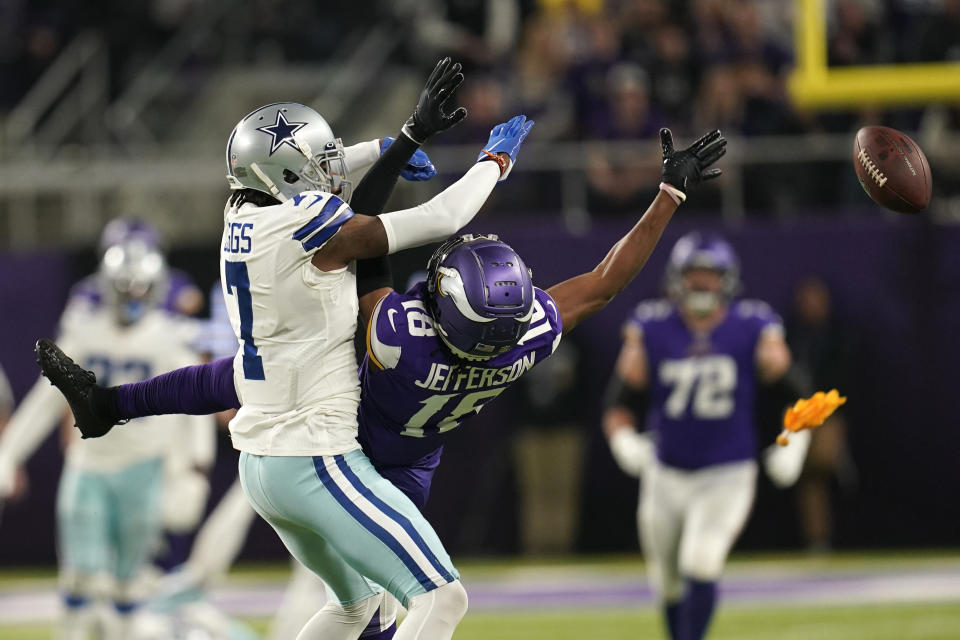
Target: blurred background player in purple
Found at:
x=689, y=370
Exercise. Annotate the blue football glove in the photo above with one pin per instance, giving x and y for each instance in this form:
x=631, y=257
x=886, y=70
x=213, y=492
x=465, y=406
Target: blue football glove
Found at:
x=506, y=138
x=418, y=169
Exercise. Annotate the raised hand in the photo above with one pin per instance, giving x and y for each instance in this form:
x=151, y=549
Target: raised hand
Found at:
x=429, y=117
x=417, y=169
x=689, y=167
x=506, y=138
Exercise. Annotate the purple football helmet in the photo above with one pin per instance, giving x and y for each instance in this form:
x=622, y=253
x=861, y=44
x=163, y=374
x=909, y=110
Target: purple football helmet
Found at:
x=480, y=295
x=697, y=250
x=120, y=230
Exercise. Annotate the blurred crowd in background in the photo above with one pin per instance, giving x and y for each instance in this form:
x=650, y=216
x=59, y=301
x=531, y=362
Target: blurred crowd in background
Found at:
x=585, y=70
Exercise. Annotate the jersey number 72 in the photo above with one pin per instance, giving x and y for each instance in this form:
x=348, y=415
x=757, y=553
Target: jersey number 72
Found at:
x=709, y=380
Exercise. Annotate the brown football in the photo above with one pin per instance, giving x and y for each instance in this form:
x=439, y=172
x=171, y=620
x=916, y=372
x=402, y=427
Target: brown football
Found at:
x=892, y=169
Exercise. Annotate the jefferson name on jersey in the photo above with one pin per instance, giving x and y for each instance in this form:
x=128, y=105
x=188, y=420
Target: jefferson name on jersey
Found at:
x=415, y=389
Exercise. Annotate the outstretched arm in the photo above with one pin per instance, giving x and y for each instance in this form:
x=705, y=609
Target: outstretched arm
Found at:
x=582, y=296
x=586, y=294
x=365, y=236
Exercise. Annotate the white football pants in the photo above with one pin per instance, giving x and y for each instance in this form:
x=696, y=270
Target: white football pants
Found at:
x=689, y=520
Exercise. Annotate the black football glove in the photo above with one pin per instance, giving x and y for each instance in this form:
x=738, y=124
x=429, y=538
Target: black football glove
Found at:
x=688, y=168
x=429, y=117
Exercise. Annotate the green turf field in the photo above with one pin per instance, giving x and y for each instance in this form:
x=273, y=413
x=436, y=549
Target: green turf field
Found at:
x=936, y=617
x=909, y=622
x=914, y=622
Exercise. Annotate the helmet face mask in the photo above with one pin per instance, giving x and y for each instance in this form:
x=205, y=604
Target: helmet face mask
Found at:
x=703, y=273
x=134, y=277
x=480, y=296
x=284, y=149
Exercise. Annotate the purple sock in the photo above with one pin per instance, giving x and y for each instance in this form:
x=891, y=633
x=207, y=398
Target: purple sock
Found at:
x=696, y=609
x=373, y=632
x=199, y=390
x=672, y=614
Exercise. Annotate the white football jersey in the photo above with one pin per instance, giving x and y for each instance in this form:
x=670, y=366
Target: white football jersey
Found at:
x=158, y=343
x=296, y=369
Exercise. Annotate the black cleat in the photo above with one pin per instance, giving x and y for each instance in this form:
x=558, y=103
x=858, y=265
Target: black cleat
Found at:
x=77, y=385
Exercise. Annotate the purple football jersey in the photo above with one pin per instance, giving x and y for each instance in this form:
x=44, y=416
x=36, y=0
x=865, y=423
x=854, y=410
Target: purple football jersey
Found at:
x=703, y=387
x=89, y=290
x=415, y=390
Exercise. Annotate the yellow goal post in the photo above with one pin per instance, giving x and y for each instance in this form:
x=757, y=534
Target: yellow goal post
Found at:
x=814, y=85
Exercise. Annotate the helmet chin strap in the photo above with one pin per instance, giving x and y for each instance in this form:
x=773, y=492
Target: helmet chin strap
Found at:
x=274, y=191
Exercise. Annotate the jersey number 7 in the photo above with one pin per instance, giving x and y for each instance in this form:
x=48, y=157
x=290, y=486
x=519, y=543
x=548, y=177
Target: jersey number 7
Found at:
x=238, y=279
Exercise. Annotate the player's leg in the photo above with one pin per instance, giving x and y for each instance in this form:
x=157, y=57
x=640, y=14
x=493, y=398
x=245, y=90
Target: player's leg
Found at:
x=719, y=507
x=426, y=580
x=368, y=523
x=84, y=548
x=214, y=550
x=659, y=518
x=137, y=494
x=352, y=599
x=221, y=537
x=301, y=599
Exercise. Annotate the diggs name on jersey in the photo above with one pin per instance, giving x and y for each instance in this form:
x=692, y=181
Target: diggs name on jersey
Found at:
x=236, y=237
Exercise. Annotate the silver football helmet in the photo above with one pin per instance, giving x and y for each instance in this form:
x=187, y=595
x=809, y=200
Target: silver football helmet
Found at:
x=134, y=279
x=283, y=149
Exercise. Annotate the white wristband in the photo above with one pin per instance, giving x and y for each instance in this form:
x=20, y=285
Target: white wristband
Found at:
x=677, y=195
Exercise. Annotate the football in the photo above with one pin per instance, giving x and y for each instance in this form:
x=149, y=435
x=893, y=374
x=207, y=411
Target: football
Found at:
x=892, y=169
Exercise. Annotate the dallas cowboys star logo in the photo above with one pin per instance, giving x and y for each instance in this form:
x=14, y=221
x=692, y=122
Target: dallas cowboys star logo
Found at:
x=282, y=132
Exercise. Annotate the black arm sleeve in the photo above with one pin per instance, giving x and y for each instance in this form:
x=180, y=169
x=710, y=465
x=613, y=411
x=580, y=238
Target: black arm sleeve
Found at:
x=787, y=390
x=620, y=394
x=371, y=195
x=774, y=398
x=370, y=198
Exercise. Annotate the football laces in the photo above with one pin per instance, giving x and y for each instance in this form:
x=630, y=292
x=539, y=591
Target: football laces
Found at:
x=871, y=168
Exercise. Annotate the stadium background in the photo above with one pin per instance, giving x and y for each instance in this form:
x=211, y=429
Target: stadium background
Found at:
x=123, y=109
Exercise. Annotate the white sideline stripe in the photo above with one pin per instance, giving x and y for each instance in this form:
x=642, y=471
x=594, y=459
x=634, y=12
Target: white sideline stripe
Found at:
x=392, y=527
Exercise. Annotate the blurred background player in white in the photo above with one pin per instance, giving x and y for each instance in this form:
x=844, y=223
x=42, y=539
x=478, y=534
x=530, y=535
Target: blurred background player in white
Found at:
x=111, y=493
x=180, y=294
x=693, y=364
